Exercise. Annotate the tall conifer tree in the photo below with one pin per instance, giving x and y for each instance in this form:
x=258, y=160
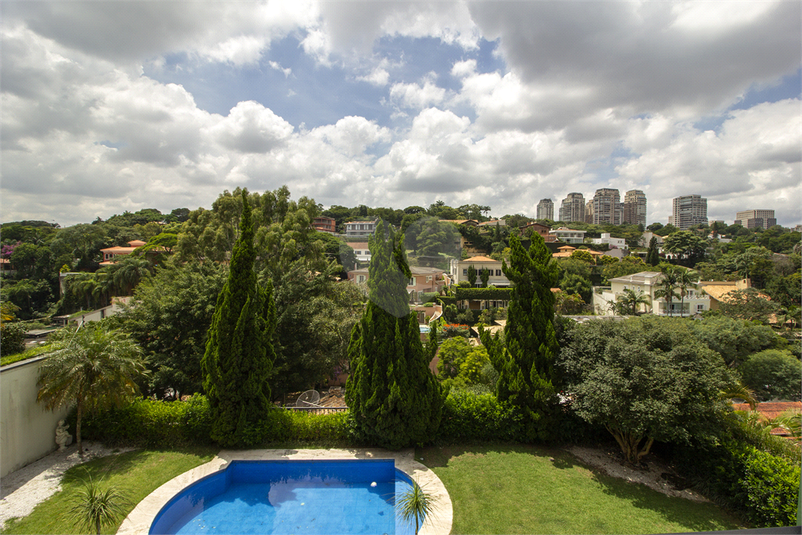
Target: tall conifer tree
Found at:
x=652, y=256
x=239, y=352
x=525, y=360
x=393, y=398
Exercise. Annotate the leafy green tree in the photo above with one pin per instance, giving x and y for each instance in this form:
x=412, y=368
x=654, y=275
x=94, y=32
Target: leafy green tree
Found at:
x=525, y=360
x=239, y=351
x=394, y=400
x=170, y=320
x=688, y=246
x=126, y=274
x=644, y=379
x=572, y=284
x=583, y=255
x=433, y=237
x=12, y=337
x=748, y=304
x=734, y=339
x=628, y=265
x=773, y=375
x=92, y=367
x=569, y=304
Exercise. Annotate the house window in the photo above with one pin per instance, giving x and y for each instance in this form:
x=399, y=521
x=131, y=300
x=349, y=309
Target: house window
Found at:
x=465, y=272
x=357, y=252
x=700, y=308
x=360, y=278
x=411, y=282
x=498, y=273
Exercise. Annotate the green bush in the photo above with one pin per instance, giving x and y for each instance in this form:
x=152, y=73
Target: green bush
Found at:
x=478, y=418
x=12, y=338
x=493, y=294
x=771, y=486
x=301, y=426
x=150, y=423
x=747, y=470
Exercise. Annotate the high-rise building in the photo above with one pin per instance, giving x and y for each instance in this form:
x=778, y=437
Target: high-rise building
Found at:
x=589, y=211
x=573, y=208
x=688, y=210
x=634, y=212
x=607, y=207
x=756, y=218
x=545, y=209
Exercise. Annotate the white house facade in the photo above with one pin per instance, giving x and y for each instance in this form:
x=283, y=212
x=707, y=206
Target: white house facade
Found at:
x=459, y=270
x=647, y=282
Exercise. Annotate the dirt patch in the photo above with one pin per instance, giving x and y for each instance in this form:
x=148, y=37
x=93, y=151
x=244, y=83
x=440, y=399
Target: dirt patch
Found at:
x=654, y=473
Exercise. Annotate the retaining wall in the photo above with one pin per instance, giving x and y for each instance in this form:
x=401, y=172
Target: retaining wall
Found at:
x=27, y=429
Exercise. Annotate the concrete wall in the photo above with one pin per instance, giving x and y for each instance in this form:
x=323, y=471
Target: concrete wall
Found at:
x=27, y=429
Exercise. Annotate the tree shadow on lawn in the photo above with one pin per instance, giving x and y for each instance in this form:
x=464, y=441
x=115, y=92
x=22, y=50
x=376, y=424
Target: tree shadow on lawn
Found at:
x=696, y=516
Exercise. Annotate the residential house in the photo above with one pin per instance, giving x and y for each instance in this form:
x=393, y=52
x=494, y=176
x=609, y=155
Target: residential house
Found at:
x=614, y=243
x=647, y=282
x=459, y=270
x=360, y=228
x=423, y=280
x=543, y=230
x=361, y=250
x=568, y=235
x=566, y=251
x=325, y=224
x=113, y=254
x=646, y=239
x=493, y=223
x=718, y=290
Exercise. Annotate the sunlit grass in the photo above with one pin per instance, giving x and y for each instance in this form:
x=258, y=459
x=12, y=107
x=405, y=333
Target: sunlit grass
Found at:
x=526, y=489
x=133, y=474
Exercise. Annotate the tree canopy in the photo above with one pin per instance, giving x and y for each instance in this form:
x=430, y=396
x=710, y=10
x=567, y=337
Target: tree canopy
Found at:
x=644, y=379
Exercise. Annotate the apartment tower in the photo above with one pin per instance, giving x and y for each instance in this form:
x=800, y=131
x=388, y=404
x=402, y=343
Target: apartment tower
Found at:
x=607, y=207
x=634, y=208
x=756, y=218
x=573, y=208
x=688, y=210
x=545, y=209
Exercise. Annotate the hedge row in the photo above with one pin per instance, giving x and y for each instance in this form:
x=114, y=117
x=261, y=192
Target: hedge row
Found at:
x=160, y=424
x=492, y=294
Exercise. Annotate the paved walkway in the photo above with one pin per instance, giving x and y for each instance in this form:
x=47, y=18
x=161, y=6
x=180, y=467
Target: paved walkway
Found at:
x=24, y=489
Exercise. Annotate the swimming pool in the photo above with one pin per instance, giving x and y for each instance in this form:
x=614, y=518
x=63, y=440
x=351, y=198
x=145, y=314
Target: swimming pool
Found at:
x=140, y=520
x=282, y=497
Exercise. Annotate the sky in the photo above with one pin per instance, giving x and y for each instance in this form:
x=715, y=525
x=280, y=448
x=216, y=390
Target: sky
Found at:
x=110, y=106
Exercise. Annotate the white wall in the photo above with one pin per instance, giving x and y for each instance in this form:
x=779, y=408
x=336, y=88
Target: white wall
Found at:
x=27, y=429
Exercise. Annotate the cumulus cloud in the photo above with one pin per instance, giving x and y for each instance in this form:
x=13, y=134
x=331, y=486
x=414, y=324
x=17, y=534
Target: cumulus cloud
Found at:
x=417, y=96
x=250, y=127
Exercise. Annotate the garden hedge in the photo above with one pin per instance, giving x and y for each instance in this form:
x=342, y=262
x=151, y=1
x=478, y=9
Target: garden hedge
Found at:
x=491, y=294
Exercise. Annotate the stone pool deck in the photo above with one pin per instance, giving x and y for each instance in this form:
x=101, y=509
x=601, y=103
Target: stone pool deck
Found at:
x=439, y=523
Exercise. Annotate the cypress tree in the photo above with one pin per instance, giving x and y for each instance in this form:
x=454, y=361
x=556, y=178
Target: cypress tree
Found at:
x=239, y=352
x=394, y=400
x=525, y=360
x=472, y=276
x=652, y=256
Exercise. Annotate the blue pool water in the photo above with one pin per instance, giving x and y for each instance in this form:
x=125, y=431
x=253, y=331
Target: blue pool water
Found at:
x=283, y=497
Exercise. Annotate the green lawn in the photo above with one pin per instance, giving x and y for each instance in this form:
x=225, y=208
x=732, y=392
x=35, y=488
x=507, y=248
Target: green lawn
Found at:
x=519, y=489
x=494, y=489
x=135, y=474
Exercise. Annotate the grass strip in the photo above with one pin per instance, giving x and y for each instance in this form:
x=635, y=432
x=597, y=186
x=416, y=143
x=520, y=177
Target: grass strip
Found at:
x=135, y=474
x=527, y=489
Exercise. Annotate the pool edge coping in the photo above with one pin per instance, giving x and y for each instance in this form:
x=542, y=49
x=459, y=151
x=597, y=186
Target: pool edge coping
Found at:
x=139, y=520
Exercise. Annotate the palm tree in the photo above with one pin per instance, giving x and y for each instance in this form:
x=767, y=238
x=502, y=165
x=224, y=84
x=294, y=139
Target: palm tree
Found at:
x=414, y=503
x=127, y=273
x=629, y=301
x=666, y=289
x=92, y=367
x=94, y=507
x=686, y=279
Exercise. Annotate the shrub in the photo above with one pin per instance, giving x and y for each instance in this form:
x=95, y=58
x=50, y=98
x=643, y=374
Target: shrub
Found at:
x=12, y=338
x=748, y=470
x=771, y=486
x=478, y=418
x=151, y=423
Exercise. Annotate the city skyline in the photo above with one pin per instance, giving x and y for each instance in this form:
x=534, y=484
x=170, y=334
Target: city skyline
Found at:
x=119, y=106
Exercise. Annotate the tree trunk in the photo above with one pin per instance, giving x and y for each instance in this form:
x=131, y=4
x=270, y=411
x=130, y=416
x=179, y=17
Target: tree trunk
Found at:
x=78, y=414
